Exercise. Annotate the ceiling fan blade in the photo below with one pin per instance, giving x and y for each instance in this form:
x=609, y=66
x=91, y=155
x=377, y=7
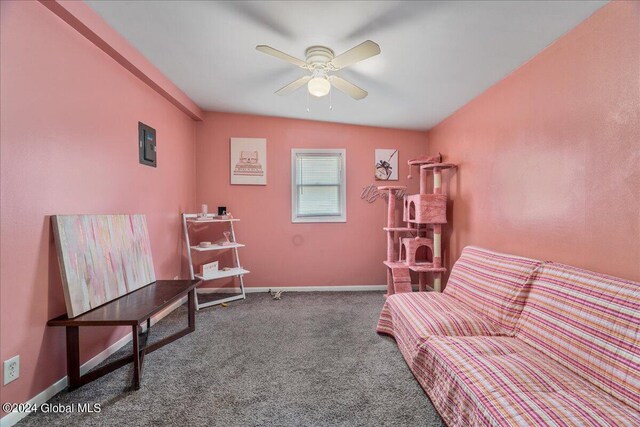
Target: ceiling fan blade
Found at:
x=356, y=54
x=349, y=88
x=293, y=86
x=281, y=55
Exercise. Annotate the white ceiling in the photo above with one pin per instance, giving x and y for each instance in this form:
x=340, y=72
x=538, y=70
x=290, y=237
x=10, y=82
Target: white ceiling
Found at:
x=436, y=56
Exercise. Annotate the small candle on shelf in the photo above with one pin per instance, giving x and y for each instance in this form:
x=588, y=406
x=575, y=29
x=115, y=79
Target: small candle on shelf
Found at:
x=205, y=210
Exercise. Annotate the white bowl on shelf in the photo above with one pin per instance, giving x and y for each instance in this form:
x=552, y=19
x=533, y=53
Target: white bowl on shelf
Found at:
x=204, y=244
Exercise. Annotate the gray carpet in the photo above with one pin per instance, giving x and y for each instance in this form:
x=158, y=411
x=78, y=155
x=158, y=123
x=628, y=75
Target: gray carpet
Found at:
x=310, y=359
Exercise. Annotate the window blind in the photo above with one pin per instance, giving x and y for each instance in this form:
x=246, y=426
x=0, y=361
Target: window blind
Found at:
x=318, y=181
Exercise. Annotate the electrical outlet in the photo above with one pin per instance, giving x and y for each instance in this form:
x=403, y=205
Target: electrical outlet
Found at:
x=11, y=369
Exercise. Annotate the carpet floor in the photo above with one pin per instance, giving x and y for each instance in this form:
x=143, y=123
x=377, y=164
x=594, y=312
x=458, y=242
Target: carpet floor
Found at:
x=309, y=359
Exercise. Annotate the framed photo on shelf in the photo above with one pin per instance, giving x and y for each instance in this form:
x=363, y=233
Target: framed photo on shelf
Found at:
x=248, y=161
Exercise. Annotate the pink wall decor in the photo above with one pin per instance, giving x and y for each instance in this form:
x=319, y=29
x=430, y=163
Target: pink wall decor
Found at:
x=248, y=161
x=68, y=132
x=386, y=164
x=266, y=211
x=550, y=156
x=370, y=193
x=101, y=257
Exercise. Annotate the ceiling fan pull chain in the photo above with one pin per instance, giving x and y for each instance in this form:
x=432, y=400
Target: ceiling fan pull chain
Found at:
x=307, y=101
x=330, y=100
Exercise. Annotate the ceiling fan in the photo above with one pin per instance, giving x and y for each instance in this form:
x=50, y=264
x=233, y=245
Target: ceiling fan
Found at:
x=322, y=62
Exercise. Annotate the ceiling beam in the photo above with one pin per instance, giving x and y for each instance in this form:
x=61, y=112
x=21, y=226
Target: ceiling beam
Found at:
x=88, y=23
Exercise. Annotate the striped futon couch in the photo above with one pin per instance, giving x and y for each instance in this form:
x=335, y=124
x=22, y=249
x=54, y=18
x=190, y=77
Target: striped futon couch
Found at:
x=519, y=342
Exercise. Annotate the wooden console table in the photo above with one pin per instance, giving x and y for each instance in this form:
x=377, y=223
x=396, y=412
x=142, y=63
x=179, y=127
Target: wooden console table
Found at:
x=132, y=310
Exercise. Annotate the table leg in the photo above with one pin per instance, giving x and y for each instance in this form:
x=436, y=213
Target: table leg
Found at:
x=73, y=356
x=191, y=303
x=136, y=357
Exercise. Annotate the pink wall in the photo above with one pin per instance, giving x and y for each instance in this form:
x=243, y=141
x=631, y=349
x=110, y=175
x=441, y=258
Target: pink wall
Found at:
x=69, y=134
x=550, y=156
x=278, y=252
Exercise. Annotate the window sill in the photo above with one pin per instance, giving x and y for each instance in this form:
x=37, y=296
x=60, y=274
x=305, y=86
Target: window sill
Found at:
x=318, y=219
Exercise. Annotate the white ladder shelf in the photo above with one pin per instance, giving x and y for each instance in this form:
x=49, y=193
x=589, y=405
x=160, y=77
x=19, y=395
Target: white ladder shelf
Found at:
x=235, y=271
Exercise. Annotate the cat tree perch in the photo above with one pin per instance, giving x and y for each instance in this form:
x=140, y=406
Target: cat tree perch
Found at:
x=423, y=216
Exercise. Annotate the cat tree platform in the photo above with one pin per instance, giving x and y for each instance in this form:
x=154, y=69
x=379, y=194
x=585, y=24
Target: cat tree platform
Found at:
x=391, y=187
x=422, y=267
x=441, y=166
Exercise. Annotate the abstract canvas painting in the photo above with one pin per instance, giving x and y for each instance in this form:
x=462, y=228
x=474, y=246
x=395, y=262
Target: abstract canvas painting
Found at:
x=249, y=161
x=102, y=257
x=386, y=164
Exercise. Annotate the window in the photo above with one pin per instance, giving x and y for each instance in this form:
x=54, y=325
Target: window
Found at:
x=318, y=185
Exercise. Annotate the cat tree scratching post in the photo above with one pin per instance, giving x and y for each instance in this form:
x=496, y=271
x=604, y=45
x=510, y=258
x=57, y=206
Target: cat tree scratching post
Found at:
x=437, y=169
x=391, y=231
x=423, y=213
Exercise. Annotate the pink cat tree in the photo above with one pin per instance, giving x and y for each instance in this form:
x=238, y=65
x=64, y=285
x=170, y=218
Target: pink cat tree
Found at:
x=423, y=215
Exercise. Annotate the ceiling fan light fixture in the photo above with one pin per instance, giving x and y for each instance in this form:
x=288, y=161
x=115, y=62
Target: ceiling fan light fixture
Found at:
x=319, y=86
x=319, y=61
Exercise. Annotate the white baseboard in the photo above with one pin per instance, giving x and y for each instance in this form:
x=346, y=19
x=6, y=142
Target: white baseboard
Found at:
x=13, y=417
x=252, y=290
x=356, y=288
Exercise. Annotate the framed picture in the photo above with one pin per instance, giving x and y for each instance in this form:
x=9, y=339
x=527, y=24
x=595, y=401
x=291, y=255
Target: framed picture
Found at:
x=386, y=168
x=249, y=161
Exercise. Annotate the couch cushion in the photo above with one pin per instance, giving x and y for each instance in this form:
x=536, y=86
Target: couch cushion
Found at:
x=501, y=381
x=588, y=322
x=413, y=317
x=492, y=283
